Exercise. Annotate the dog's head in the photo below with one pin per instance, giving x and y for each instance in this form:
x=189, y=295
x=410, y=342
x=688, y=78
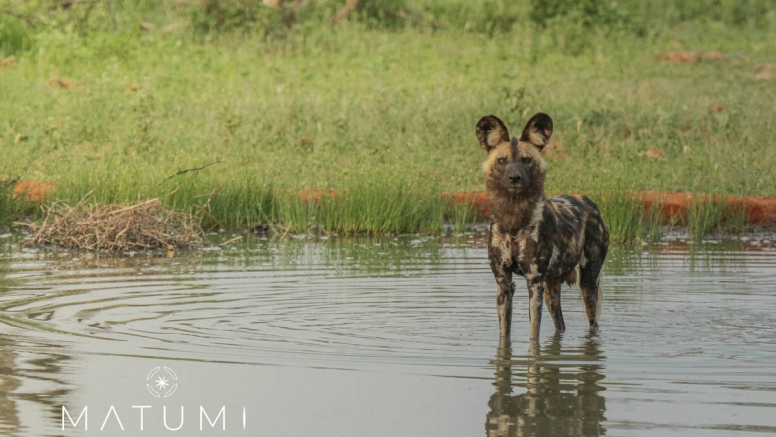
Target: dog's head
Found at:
x=515, y=165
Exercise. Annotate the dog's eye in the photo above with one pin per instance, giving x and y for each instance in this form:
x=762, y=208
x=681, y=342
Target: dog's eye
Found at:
x=502, y=161
x=526, y=160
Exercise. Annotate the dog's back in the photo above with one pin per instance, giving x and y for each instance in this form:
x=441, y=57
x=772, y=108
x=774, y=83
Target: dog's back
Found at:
x=574, y=233
x=580, y=241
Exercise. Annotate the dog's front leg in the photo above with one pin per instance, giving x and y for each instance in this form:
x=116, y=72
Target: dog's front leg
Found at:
x=499, y=257
x=506, y=289
x=535, y=300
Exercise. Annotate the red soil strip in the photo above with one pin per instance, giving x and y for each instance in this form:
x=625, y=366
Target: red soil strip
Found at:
x=33, y=191
x=315, y=195
x=673, y=206
x=478, y=199
x=688, y=57
x=759, y=210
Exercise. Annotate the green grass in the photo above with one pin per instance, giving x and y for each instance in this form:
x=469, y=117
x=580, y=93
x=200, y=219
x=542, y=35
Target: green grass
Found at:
x=460, y=215
x=382, y=115
x=735, y=218
x=714, y=214
x=627, y=217
x=12, y=208
x=704, y=216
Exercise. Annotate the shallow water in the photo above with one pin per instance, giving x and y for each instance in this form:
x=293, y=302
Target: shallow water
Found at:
x=389, y=337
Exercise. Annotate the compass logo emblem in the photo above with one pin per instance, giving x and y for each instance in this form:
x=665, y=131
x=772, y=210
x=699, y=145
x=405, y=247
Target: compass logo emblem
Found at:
x=161, y=382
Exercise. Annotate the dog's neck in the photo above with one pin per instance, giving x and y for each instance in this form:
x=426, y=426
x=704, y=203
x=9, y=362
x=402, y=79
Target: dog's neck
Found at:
x=515, y=212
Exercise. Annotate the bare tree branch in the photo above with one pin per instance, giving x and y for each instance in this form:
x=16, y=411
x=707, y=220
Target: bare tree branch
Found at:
x=26, y=18
x=186, y=170
x=350, y=6
x=67, y=4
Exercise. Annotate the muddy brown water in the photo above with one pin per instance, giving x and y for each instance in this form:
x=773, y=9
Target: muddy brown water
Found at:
x=387, y=337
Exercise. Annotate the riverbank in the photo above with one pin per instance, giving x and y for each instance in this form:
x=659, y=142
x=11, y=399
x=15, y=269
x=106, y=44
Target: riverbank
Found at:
x=631, y=216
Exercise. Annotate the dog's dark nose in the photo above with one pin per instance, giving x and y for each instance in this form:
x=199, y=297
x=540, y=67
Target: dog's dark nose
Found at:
x=514, y=178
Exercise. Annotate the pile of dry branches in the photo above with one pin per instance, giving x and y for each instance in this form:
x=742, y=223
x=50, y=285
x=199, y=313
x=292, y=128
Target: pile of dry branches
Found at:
x=116, y=228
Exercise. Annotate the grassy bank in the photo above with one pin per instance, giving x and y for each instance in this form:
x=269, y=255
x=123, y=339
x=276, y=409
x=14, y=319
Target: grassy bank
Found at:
x=382, y=111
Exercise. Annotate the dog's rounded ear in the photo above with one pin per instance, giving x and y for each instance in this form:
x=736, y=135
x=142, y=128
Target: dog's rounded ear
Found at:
x=538, y=130
x=491, y=132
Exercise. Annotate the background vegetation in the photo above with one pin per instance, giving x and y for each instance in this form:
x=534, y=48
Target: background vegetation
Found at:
x=117, y=97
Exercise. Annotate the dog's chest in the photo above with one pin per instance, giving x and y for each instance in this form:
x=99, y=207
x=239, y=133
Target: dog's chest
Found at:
x=514, y=250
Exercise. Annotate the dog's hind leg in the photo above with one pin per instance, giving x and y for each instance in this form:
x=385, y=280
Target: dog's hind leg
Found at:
x=552, y=298
x=594, y=254
x=590, y=286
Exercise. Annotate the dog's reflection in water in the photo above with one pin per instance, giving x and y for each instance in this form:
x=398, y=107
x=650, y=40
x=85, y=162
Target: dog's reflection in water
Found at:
x=550, y=392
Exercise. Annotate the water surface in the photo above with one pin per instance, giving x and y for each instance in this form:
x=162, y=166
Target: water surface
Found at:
x=382, y=337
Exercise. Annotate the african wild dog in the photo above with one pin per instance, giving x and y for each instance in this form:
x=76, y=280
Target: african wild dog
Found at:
x=548, y=241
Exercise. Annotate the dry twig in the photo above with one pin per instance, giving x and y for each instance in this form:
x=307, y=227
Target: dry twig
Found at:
x=232, y=240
